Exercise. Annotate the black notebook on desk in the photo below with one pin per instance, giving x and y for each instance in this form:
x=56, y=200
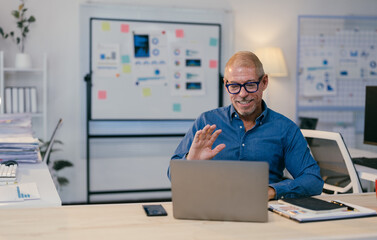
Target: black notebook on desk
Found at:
x=314, y=205
x=301, y=215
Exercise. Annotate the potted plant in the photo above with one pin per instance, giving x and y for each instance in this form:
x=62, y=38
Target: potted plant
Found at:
x=56, y=165
x=23, y=22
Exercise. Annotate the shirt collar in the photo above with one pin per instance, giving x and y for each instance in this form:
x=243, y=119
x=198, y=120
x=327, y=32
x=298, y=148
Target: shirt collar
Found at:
x=234, y=114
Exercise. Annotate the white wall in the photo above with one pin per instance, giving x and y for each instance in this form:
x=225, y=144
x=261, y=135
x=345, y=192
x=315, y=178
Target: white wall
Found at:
x=56, y=32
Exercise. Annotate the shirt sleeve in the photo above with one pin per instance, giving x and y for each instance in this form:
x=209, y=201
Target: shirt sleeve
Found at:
x=301, y=165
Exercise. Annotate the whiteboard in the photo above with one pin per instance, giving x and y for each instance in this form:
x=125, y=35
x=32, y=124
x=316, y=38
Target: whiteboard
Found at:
x=153, y=69
x=337, y=58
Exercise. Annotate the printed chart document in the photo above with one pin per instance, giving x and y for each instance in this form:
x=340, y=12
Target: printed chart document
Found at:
x=19, y=192
x=303, y=215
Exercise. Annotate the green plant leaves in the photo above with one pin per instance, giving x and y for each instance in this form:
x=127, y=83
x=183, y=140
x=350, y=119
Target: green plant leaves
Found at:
x=23, y=23
x=60, y=164
x=31, y=19
x=62, y=181
x=16, y=14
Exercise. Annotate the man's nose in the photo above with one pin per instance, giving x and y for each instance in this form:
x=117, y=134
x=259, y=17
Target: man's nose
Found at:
x=243, y=92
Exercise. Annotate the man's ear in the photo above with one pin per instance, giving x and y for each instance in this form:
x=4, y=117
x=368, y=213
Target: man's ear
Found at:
x=264, y=82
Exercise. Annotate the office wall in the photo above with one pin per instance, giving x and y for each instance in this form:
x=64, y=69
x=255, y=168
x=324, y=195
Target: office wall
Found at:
x=56, y=32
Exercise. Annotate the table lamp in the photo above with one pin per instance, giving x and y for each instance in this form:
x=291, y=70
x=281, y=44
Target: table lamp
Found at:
x=273, y=61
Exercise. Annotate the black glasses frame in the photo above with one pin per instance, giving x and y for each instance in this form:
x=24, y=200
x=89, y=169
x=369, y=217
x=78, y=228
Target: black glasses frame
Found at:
x=243, y=85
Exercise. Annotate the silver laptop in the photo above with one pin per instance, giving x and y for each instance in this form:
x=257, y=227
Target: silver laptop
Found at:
x=219, y=190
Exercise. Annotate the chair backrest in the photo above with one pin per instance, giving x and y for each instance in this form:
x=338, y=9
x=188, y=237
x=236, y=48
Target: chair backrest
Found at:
x=334, y=160
x=51, y=143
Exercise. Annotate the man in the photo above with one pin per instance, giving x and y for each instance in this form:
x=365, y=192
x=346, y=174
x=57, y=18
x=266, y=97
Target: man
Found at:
x=249, y=131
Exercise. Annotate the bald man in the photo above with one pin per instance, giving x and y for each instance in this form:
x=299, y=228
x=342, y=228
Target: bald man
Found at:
x=247, y=130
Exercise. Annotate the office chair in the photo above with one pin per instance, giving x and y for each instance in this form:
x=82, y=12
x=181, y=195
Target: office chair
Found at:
x=46, y=157
x=334, y=160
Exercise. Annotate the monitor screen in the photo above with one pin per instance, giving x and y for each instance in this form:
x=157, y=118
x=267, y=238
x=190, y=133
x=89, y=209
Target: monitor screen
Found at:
x=370, y=124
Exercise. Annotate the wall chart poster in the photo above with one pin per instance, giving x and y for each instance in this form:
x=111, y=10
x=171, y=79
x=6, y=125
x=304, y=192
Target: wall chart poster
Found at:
x=337, y=58
x=153, y=70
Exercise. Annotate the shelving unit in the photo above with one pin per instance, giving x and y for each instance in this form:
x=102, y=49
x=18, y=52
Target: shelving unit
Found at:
x=31, y=77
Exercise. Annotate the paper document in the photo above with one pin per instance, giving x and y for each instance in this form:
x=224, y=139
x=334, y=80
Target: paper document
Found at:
x=19, y=192
x=301, y=215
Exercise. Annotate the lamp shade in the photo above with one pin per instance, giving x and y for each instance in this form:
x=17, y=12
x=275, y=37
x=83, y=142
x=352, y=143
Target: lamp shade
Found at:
x=273, y=61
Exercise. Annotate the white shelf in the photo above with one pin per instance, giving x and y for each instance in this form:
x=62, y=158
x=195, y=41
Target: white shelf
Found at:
x=14, y=77
x=23, y=70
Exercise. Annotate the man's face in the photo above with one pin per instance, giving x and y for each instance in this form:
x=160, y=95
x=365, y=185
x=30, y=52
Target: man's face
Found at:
x=245, y=103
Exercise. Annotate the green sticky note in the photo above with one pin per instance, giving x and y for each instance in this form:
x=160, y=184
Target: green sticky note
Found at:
x=213, y=42
x=126, y=68
x=147, y=92
x=105, y=26
x=176, y=107
x=125, y=59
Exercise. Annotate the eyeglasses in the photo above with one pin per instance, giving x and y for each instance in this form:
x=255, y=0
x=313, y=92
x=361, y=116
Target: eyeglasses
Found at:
x=250, y=87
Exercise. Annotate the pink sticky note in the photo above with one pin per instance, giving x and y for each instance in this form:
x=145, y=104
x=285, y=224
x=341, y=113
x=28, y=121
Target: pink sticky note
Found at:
x=102, y=94
x=212, y=63
x=124, y=28
x=179, y=33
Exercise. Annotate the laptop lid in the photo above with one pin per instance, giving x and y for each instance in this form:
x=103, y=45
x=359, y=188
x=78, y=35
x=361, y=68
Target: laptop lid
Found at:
x=220, y=190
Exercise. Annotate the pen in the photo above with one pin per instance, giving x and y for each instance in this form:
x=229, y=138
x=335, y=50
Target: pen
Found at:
x=349, y=208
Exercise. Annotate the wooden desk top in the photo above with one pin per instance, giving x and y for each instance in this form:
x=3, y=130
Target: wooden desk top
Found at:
x=128, y=221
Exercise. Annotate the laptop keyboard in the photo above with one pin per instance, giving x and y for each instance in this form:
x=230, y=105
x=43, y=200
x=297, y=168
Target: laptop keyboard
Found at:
x=8, y=173
x=367, y=162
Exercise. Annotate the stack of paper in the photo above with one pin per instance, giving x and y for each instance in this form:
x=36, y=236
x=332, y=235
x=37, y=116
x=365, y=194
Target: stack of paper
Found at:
x=16, y=140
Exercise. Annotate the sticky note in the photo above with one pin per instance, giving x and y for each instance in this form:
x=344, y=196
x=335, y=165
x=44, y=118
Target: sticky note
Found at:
x=213, y=42
x=147, y=92
x=124, y=28
x=125, y=59
x=126, y=68
x=176, y=107
x=102, y=94
x=212, y=63
x=179, y=33
x=105, y=26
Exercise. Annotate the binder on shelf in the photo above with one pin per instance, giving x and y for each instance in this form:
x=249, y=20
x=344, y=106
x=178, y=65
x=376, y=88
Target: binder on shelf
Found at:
x=33, y=100
x=27, y=100
x=21, y=100
x=14, y=100
x=8, y=100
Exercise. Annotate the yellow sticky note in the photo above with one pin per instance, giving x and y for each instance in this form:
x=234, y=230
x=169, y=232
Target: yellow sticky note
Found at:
x=147, y=92
x=105, y=26
x=126, y=68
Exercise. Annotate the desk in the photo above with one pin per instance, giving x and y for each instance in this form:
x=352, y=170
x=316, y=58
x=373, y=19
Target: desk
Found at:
x=38, y=173
x=366, y=173
x=128, y=221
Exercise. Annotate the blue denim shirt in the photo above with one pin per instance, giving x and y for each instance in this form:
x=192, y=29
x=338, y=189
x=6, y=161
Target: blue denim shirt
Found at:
x=274, y=139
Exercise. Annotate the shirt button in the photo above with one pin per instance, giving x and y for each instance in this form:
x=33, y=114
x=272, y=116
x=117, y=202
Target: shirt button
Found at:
x=243, y=144
x=240, y=126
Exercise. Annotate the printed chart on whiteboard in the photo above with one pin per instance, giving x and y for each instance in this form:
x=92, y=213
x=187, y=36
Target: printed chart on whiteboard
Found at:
x=153, y=70
x=337, y=58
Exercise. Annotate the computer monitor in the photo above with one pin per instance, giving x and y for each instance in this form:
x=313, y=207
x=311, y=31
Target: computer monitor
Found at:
x=308, y=123
x=370, y=120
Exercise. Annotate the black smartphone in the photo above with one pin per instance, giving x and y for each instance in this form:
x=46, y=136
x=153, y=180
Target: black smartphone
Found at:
x=155, y=210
